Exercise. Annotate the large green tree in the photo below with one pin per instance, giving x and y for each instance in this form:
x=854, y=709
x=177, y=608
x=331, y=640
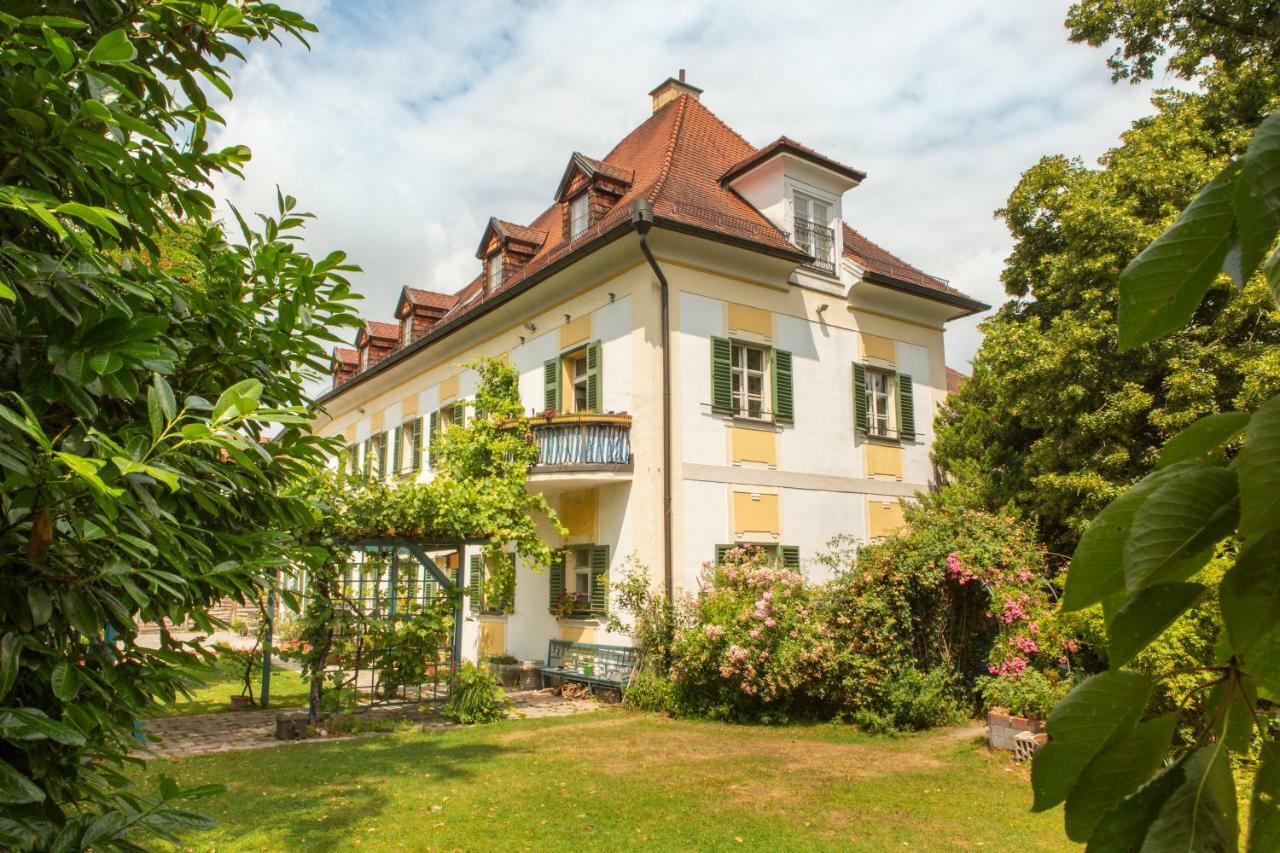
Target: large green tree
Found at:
x=1056, y=420
x=152, y=390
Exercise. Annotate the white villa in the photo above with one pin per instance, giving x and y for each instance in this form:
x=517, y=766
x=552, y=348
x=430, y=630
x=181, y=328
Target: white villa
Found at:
x=714, y=354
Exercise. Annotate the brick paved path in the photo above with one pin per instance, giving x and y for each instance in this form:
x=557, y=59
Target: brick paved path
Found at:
x=205, y=734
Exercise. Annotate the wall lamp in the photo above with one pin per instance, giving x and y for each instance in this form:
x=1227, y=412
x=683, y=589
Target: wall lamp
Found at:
x=531, y=327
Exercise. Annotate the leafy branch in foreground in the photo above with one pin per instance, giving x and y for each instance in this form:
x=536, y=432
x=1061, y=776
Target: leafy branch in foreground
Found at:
x=1217, y=484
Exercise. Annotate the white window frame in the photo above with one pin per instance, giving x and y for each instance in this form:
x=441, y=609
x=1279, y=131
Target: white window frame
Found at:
x=572, y=382
x=406, y=329
x=882, y=405
x=493, y=270
x=579, y=214
x=741, y=374
x=809, y=200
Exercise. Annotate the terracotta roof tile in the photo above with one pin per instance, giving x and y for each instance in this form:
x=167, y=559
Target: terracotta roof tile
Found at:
x=378, y=329
x=345, y=355
x=784, y=144
x=431, y=298
x=875, y=258
x=954, y=380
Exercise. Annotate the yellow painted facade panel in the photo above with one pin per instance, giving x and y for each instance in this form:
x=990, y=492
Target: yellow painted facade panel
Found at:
x=578, y=514
x=349, y=434
x=575, y=332
x=883, y=516
x=874, y=346
x=375, y=422
x=744, y=318
x=884, y=460
x=753, y=445
x=449, y=388
x=755, y=513
x=409, y=406
x=578, y=633
x=493, y=637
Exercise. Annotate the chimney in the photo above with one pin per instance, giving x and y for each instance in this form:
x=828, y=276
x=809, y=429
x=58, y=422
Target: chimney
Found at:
x=670, y=89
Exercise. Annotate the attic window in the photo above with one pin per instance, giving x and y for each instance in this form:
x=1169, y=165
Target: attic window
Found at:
x=494, y=270
x=579, y=213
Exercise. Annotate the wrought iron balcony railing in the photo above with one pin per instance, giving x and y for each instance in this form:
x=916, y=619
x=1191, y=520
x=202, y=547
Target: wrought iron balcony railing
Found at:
x=819, y=241
x=582, y=442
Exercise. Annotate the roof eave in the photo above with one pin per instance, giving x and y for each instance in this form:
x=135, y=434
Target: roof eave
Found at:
x=755, y=161
x=968, y=305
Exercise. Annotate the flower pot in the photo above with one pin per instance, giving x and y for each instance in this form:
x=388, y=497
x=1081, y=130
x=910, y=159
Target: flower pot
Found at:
x=241, y=703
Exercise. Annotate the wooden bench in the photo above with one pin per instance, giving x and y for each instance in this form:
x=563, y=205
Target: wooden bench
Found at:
x=590, y=663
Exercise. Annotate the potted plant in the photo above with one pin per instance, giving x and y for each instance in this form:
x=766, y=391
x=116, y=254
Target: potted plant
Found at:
x=1016, y=704
x=568, y=604
x=249, y=665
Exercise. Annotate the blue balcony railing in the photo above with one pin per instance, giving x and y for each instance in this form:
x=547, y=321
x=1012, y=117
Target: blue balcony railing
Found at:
x=583, y=442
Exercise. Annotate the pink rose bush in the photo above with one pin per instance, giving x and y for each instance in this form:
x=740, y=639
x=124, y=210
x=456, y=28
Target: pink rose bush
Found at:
x=758, y=650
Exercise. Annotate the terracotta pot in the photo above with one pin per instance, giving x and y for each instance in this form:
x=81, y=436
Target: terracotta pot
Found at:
x=240, y=703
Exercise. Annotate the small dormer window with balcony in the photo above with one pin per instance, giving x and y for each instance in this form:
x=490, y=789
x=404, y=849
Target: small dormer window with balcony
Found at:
x=494, y=271
x=579, y=214
x=813, y=231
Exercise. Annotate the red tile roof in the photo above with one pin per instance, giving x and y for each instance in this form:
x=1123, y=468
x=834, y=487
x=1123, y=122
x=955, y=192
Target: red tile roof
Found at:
x=345, y=355
x=431, y=298
x=954, y=380
x=377, y=329
x=677, y=160
x=786, y=145
x=876, y=259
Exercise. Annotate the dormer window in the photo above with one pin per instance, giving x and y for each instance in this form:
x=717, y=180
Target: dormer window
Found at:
x=364, y=357
x=579, y=214
x=494, y=271
x=813, y=231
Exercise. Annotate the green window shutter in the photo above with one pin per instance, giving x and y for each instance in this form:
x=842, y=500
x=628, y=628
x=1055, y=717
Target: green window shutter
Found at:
x=431, y=436
x=600, y=579
x=459, y=413
x=349, y=464
x=475, y=582
x=551, y=384
x=594, y=366
x=415, y=462
x=368, y=456
x=861, y=419
x=784, y=407
x=555, y=579
x=906, y=409
x=721, y=376
x=790, y=556
x=382, y=456
x=397, y=451
x=721, y=550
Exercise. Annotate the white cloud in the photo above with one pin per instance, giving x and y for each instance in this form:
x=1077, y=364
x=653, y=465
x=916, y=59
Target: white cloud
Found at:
x=408, y=125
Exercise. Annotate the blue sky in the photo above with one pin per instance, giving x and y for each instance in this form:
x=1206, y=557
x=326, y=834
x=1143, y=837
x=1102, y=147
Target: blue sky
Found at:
x=407, y=125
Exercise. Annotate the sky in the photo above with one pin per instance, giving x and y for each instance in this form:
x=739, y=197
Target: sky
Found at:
x=408, y=124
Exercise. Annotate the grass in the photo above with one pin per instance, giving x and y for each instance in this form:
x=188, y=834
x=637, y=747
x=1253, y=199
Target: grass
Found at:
x=616, y=780
x=224, y=680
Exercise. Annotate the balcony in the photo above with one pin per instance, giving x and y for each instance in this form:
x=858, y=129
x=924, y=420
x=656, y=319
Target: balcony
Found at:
x=582, y=444
x=819, y=241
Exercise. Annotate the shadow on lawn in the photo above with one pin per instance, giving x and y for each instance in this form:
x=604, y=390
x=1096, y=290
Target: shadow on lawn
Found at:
x=317, y=793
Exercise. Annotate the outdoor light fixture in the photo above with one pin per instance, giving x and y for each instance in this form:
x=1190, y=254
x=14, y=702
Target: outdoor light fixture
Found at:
x=531, y=327
x=566, y=318
x=612, y=298
x=521, y=340
x=823, y=307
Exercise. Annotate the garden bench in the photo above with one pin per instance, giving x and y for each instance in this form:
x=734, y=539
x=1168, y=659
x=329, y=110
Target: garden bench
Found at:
x=590, y=663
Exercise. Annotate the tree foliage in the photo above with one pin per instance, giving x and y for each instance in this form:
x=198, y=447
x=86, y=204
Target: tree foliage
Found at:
x=1143, y=560
x=1057, y=419
x=152, y=402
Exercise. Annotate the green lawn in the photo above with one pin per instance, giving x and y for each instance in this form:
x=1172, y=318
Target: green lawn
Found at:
x=616, y=780
x=222, y=681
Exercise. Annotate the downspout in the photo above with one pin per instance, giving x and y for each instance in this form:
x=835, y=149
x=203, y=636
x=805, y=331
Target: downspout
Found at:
x=642, y=221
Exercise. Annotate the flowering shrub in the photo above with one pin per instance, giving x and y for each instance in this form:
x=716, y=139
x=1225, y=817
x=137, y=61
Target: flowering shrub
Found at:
x=749, y=647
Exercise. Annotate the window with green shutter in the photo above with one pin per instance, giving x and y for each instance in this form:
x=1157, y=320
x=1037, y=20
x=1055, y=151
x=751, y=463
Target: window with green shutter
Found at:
x=752, y=381
x=883, y=403
x=367, y=466
x=582, y=571
x=600, y=579
x=432, y=433
x=551, y=384
x=595, y=369
x=415, y=459
x=555, y=579
x=397, y=451
x=382, y=455
x=788, y=556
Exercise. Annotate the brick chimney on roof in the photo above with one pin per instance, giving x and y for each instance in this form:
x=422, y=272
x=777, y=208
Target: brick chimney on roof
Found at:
x=670, y=89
